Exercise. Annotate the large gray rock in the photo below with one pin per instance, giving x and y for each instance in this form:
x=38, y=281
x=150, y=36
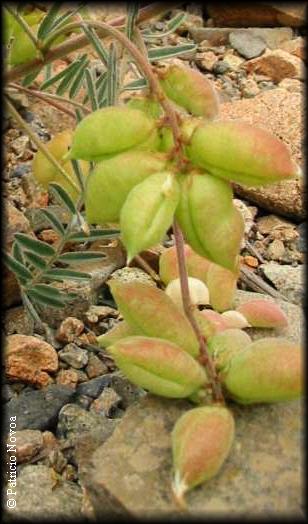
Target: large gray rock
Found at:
x=287, y=279
x=39, y=496
x=246, y=44
x=130, y=473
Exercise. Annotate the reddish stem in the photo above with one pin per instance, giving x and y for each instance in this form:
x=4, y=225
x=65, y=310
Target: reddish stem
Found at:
x=204, y=357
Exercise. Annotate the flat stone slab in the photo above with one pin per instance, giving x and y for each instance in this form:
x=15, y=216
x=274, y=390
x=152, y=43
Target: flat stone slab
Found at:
x=131, y=473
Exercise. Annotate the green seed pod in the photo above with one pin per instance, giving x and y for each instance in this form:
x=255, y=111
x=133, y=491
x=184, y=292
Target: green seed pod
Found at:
x=22, y=49
x=210, y=222
x=210, y=322
x=45, y=172
x=190, y=89
x=111, y=181
x=150, y=144
x=223, y=346
x=241, y=152
x=110, y=130
x=146, y=104
x=269, y=370
x=119, y=331
x=148, y=212
x=150, y=312
x=159, y=366
x=221, y=283
x=201, y=441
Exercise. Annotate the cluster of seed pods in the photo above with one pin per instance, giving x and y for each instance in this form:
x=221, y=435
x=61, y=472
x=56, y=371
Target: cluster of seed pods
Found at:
x=137, y=182
x=155, y=347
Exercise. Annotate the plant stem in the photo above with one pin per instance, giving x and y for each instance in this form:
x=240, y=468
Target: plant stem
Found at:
x=52, y=96
x=204, y=357
x=46, y=99
x=78, y=42
x=39, y=144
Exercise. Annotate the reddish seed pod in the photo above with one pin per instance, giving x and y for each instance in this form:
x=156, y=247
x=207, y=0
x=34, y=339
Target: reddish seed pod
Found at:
x=201, y=442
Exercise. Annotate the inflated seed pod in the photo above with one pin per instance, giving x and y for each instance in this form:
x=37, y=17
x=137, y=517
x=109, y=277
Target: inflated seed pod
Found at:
x=190, y=89
x=210, y=322
x=201, y=441
x=148, y=212
x=110, y=130
x=198, y=292
x=240, y=152
x=45, y=172
x=224, y=345
x=150, y=312
x=159, y=366
x=263, y=313
x=269, y=370
x=119, y=331
x=111, y=180
x=221, y=283
x=196, y=265
x=235, y=319
x=146, y=104
x=210, y=222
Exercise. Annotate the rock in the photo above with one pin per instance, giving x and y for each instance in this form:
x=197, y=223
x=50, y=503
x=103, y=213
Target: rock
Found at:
x=74, y=356
x=277, y=64
x=87, y=292
x=17, y=321
x=276, y=250
x=301, y=229
x=28, y=444
x=130, y=474
x=38, y=409
x=95, y=367
x=69, y=329
x=97, y=313
x=42, y=496
x=280, y=113
x=287, y=279
x=292, y=85
x=220, y=67
x=15, y=222
x=272, y=36
x=261, y=14
x=250, y=261
x=271, y=225
x=129, y=274
x=250, y=88
x=128, y=392
x=30, y=359
x=296, y=47
x=234, y=62
x=76, y=422
x=206, y=60
x=67, y=377
x=246, y=44
x=107, y=403
x=216, y=36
